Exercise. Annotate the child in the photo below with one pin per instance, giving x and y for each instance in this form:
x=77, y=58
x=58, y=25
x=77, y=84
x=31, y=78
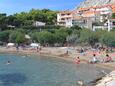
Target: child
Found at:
x=108, y=58
x=78, y=60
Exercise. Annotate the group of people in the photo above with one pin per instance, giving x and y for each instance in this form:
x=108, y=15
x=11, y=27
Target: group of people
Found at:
x=94, y=59
x=107, y=58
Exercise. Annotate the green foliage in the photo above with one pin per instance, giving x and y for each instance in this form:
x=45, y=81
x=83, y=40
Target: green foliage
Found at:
x=113, y=15
x=112, y=44
x=24, y=19
x=88, y=36
x=50, y=37
x=4, y=36
x=17, y=37
x=76, y=27
x=43, y=37
x=107, y=38
x=3, y=24
x=60, y=36
x=45, y=15
x=72, y=39
x=49, y=34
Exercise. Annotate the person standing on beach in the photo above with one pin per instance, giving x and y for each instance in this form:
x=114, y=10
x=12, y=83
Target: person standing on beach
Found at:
x=37, y=49
x=17, y=47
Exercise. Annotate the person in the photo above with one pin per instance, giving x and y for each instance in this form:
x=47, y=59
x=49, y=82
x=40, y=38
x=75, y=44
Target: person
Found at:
x=78, y=60
x=8, y=62
x=17, y=47
x=82, y=51
x=94, y=59
x=108, y=58
x=37, y=49
x=67, y=52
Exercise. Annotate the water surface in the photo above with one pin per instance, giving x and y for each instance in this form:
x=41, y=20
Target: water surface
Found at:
x=43, y=71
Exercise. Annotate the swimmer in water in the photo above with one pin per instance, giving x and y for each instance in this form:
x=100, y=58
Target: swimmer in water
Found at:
x=8, y=62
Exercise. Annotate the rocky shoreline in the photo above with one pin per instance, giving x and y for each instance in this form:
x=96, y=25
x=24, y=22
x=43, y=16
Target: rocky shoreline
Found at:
x=108, y=80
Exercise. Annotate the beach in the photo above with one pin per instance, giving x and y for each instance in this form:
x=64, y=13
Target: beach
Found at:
x=59, y=52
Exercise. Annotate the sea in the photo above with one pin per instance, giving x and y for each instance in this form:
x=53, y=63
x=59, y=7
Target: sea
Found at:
x=19, y=70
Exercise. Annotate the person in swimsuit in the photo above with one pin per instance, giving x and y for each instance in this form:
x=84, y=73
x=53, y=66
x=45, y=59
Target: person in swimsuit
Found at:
x=78, y=60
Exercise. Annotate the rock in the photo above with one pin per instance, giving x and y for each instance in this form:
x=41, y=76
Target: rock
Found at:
x=109, y=80
x=89, y=3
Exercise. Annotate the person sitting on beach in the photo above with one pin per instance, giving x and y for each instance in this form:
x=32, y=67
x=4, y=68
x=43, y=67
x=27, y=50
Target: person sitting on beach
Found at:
x=108, y=58
x=82, y=51
x=94, y=59
x=78, y=60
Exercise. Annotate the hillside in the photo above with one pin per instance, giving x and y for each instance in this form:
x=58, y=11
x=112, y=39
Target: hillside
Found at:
x=88, y=3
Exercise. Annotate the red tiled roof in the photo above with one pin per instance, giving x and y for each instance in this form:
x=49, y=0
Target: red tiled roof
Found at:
x=66, y=11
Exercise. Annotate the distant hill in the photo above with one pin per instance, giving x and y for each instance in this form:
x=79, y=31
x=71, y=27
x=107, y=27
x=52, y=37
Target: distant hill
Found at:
x=89, y=3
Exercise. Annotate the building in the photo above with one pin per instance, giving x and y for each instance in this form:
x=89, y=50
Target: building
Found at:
x=110, y=24
x=86, y=17
x=64, y=18
x=38, y=24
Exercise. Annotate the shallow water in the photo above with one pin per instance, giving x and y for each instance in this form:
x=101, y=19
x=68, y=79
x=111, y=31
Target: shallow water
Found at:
x=42, y=71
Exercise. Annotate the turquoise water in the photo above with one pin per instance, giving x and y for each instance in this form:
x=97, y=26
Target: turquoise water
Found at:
x=42, y=71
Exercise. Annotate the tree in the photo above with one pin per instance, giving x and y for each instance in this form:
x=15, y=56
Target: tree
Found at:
x=72, y=39
x=88, y=36
x=107, y=38
x=45, y=15
x=3, y=24
x=12, y=20
x=17, y=37
x=4, y=36
x=60, y=35
x=43, y=37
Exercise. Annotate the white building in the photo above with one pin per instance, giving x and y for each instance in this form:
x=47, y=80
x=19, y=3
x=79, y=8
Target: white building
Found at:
x=65, y=18
x=37, y=23
x=85, y=17
x=111, y=24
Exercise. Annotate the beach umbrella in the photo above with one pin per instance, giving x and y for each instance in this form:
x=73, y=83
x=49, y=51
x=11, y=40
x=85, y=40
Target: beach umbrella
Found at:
x=34, y=45
x=10, y=44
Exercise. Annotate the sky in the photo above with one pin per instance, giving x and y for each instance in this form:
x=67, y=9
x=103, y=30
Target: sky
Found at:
x=16, y=6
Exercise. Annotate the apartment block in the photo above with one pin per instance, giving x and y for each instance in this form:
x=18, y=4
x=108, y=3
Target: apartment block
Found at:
x=86, y=17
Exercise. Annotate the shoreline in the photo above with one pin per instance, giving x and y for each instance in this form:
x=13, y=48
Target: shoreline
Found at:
x=43, y=53
x=49, y=54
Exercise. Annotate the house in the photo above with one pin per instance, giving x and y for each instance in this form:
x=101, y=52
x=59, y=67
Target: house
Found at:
x=38, y=24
